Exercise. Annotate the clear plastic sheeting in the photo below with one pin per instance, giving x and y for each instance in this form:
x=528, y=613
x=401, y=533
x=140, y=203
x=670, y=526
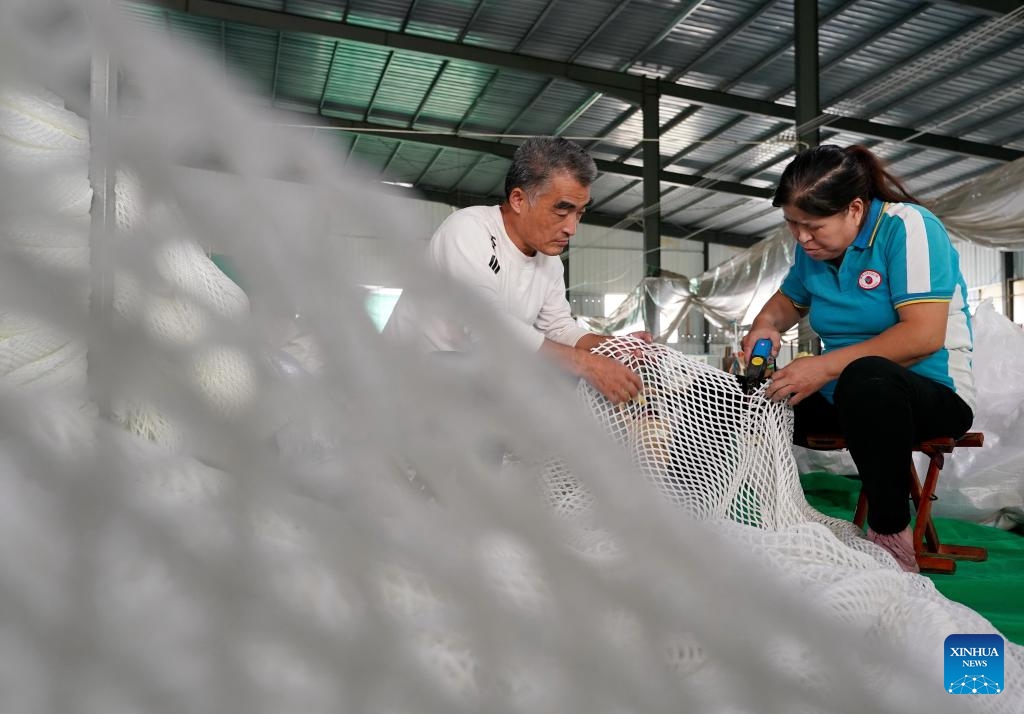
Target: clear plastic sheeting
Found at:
x=985, y=484
x=669, y=295
x=733, y=292
x=727, y=295
x=988, y=210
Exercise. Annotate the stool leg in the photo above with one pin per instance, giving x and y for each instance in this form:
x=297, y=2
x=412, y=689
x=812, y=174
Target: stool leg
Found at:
x=862, y=509
x=937, y=556
x=926, y=538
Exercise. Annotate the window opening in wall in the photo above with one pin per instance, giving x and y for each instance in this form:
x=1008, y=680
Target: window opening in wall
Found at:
x=380, y=302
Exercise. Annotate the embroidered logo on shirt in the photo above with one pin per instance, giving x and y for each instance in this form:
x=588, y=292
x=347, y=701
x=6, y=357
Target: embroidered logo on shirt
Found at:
x=493, y=262
x=869, y=279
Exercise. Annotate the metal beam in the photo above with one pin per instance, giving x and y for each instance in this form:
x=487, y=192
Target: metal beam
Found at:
x=805, y=43
x=808, y=108
x=652, y=186
x=627, y=87
x=624, y=86
x=781, y=49
x=682, y=16
x=669, y=27
x=652, y=198
x=924, y=139
x=1008, y=278
x=857, y=93
x=536, y=23
x=987, y=7
x=614, y=194
x=376, y=90
x=506, y=151
x=887, y=28
x=710, y=48
x=277, y=67
x=391, y=159
x=327, y=79
x=832, y=64
x=707, y=324
x=949, y=184
x=777, y=52
x=465, y=174
x=609, y=18
x=963, y=130
x=472, y=18
x=944, y=78
x=727, y=162
x=428, y=167
x=426, y=94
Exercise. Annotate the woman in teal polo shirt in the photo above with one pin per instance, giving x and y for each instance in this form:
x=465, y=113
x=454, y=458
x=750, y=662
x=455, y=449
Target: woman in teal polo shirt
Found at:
x=881, y=282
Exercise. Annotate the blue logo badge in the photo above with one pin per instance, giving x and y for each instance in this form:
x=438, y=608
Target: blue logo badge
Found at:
x=974, y=664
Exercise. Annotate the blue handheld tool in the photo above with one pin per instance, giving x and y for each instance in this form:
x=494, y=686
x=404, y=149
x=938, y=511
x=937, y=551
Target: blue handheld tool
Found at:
x=760, y=356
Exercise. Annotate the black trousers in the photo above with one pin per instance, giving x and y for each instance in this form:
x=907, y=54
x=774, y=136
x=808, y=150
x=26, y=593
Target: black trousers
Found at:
x=883, y=410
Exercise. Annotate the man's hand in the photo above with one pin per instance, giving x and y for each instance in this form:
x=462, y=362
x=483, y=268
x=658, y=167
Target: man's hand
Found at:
x=799, y=379
x=614, y=380
x=624, y=351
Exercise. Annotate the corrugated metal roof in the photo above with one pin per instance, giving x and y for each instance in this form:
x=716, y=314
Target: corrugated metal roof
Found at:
x=945, y=68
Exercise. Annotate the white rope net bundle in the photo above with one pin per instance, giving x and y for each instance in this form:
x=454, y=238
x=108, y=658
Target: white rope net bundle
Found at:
x=263, y=540
x=706, y=444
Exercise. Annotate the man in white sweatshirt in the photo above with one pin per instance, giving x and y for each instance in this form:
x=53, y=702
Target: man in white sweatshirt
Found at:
x=508, y=254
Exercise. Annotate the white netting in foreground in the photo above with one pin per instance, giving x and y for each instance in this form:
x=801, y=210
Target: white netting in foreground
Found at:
x=262, y=540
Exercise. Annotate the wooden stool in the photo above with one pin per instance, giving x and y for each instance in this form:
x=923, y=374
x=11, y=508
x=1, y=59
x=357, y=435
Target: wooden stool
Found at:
x=932, y=555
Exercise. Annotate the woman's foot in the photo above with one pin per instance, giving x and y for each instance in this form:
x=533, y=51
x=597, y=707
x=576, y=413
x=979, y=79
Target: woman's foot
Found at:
x=899, y=545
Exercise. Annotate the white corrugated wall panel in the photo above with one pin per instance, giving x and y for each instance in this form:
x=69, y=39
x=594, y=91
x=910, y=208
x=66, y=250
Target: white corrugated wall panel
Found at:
x=979, y=265
x=598, y=270
x=606, y=260
x=364, y=250
x=718, y=254
x=601, y=260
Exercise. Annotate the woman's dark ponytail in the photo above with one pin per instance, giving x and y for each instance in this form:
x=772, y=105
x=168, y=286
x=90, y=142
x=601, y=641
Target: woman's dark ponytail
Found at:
x=882, y=184
x=824, y=180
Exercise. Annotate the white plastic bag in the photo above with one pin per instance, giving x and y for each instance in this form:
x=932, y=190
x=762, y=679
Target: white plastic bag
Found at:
x=985, y=485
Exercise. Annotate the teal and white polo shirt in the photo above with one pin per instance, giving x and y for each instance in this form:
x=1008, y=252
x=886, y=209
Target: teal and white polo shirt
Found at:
x=901, y=256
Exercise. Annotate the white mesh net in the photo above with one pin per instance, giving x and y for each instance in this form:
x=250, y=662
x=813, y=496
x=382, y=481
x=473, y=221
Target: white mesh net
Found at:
x=706, y=444
x=261, y=539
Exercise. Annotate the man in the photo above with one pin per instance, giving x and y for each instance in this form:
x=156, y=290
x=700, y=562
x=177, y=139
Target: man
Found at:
x=509, y=255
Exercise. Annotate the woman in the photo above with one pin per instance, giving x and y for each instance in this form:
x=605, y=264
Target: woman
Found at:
x=881, y=281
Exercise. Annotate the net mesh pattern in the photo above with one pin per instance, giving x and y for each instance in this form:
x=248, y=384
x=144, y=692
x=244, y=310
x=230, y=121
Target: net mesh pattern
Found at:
x=262, y=539
x=707, y=445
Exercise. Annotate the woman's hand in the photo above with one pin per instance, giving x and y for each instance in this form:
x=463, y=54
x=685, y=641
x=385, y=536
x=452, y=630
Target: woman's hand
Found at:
x=800, y=379
x=760, y=333
x=778, y=315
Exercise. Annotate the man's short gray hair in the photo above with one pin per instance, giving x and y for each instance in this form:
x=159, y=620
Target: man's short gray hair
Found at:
x=540, y=156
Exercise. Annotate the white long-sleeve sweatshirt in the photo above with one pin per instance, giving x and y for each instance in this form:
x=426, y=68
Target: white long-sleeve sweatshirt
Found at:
x=528, y=292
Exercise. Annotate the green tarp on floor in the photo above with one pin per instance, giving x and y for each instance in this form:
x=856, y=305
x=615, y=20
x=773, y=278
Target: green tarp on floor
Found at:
x=994, y=588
